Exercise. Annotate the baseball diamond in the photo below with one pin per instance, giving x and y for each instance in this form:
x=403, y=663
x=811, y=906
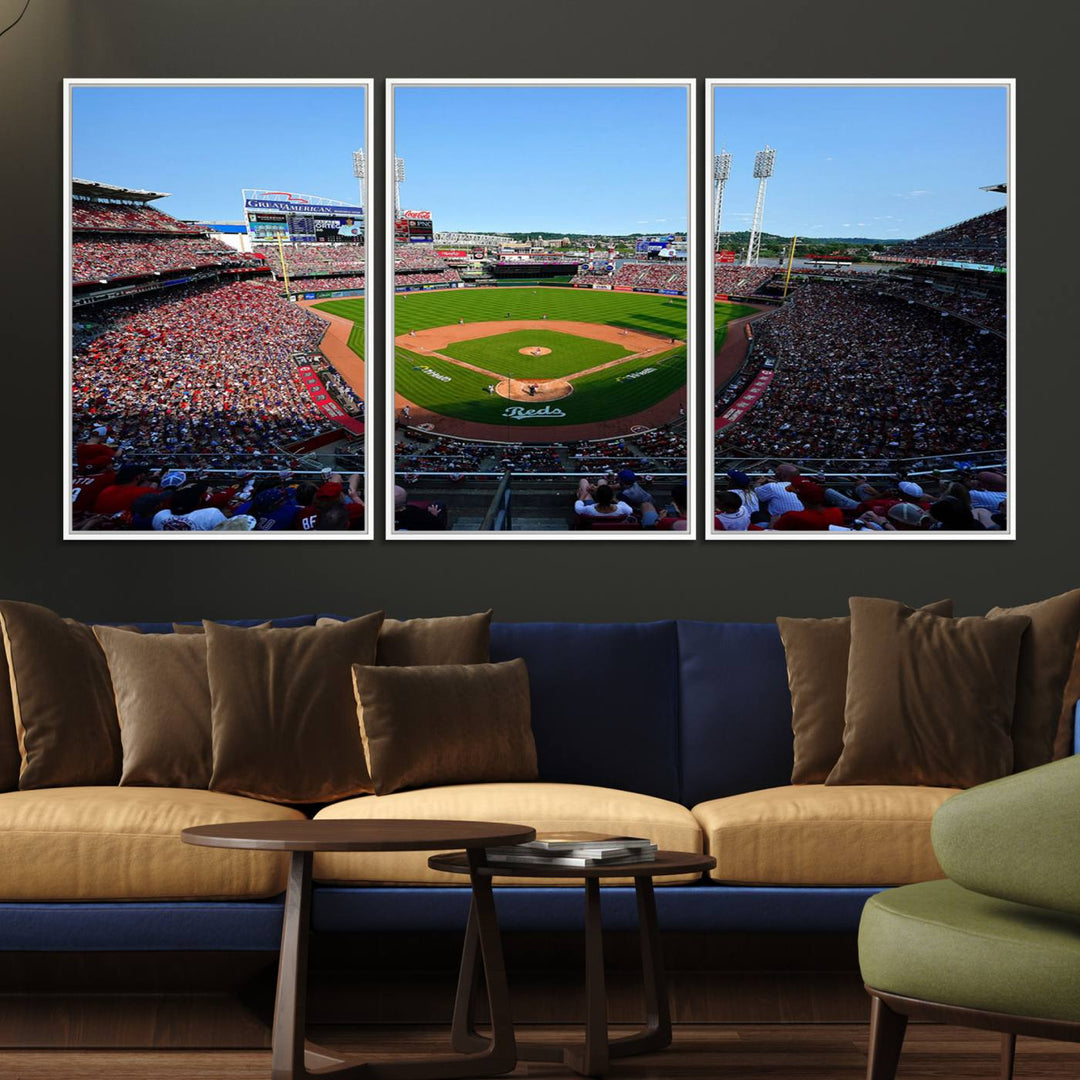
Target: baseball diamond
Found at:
x=461, y=354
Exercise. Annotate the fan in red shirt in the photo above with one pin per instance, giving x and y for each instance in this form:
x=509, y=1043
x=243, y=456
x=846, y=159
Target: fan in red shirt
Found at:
x=129, y=485
x=815, y=516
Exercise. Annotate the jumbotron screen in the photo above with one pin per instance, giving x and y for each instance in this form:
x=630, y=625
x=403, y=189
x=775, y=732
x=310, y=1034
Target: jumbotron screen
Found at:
x=301, y=218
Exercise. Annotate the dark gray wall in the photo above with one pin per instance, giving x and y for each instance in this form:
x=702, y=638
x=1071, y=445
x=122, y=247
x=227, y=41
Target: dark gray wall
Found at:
x=527, y=580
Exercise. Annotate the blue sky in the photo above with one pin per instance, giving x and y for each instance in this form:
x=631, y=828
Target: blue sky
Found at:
x=204, y=144
x=586, y=159
x=862, y=161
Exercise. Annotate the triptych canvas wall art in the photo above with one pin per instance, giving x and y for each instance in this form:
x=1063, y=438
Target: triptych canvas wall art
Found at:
x=541, y=349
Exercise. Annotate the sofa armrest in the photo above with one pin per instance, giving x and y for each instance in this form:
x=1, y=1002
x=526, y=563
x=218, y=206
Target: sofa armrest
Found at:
x=1017, y=838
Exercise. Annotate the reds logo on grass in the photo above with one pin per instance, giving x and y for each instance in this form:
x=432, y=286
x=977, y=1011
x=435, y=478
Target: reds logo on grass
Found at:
x=516, y=412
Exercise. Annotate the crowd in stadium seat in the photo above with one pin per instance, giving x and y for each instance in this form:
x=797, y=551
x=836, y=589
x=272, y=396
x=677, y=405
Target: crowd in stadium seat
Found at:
x=986, y=311
x=653, y=276
x=787, y=500
x=434, y=277
x=980, y=239
x=202, y=375
x=861, y=375
x=414, y=257
x=593, y=277
x=322, y=284
x=741, y=280
x=91, y=215
x=123, y=495
x=101, y=259
x=318, y=258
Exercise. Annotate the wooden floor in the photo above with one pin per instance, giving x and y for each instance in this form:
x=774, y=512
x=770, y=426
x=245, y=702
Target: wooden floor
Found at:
x=738, y=1052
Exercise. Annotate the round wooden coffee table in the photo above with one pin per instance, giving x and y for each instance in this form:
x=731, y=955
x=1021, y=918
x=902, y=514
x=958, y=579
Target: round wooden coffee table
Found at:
x=591, y=1058
x=291, y=1057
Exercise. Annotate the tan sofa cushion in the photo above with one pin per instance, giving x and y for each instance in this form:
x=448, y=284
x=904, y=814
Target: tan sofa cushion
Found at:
x=123, y=843
x=810, y=834
x=546, y=807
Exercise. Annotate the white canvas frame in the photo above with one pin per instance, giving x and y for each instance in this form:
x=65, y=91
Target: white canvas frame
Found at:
x=373, y=162
x=711, y=532
x=691, y=299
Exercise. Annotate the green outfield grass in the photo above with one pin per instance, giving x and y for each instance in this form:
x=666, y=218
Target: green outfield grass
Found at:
x=349, y=309
x=725, y=313
x=640, y=311
x=604, y=395
x=569, y=353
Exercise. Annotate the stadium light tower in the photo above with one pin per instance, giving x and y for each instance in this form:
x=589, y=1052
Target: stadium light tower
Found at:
x=399, y=179
x=721, y=172
x=359, y=170
x=764, y=160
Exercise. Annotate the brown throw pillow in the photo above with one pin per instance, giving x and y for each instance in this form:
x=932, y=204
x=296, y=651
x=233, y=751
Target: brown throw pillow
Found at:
x=163, y=702
x=929, y=700
x=62, y=698
x=9, y=739
x=447, y=724
x=817, y=661
x=283, y=713
x=1046, y=657
x=197, y=628
x=454, y=639
x=1066, y=729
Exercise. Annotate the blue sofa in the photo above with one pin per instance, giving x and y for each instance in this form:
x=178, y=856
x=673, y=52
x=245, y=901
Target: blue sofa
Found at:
x=703, y=713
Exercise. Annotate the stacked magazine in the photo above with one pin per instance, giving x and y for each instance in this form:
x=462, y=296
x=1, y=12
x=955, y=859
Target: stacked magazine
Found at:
x=575, y=849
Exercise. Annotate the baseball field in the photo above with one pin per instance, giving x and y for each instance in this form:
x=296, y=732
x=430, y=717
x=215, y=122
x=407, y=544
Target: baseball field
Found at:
x=570, y=363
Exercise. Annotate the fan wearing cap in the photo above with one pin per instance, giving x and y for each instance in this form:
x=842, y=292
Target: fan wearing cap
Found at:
x=743, y=486
x=816, y=515
x=630, y=491
x=334, y=508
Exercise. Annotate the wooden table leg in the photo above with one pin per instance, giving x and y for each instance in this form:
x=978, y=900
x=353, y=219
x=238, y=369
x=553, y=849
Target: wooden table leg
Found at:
x=656, y=1034
x=290, y=1004
x=292, y=1058
x=464, y=1037
x=592, y=1058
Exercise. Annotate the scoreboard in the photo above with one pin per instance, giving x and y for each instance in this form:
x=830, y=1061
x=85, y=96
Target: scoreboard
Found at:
x=414, y=227
x=301, y=218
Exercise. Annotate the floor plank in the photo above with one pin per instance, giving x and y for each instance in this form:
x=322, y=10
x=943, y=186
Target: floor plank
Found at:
x=700, y=1052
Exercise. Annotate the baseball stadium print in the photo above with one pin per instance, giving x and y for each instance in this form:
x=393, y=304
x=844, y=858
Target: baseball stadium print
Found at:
x=538, y=293
x=862, y=354
x=209, y=395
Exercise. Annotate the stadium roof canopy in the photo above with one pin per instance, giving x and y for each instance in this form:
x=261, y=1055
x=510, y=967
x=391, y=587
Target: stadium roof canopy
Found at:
x=1000, y=188
x=94, y=190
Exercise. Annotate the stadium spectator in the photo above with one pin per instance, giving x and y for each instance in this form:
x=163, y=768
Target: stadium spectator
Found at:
x=674, y=517
x=415, y=517
x=732, y=513
x=858, y=375
x=953, y=514
x=980, y=239
x=131, y=483
x=740, y=280
x=600, y=502
x=630, y=489
x=90, y=215
x=202, y=374
x=777, y=496
x=815, y=515
x=741, y=485
x=102, y=259
x=186, y=512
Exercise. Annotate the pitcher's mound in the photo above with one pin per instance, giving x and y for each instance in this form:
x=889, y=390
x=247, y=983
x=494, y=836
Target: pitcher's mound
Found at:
x=542, y=389
x=534, y=350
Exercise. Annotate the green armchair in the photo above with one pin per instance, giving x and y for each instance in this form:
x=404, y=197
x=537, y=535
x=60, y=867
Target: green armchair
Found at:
x=997, y=944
